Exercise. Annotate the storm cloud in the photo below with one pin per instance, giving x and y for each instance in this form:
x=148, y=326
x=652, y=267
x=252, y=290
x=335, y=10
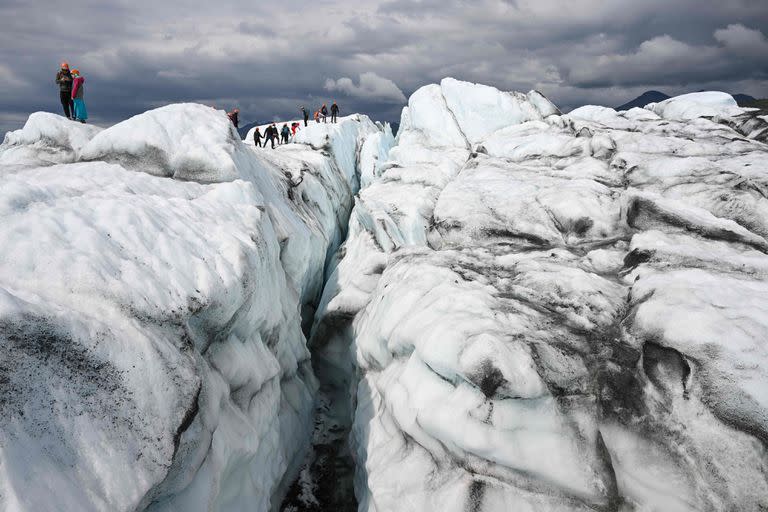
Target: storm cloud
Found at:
x=268, y=58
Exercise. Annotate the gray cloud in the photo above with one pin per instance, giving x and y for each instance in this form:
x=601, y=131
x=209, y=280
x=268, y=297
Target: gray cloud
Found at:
x=370, y=86
x=741, y=54
x=369, y=54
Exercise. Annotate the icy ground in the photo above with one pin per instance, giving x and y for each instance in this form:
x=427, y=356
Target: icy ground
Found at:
x=546, y=312
x=154, y=279
x=531, y=311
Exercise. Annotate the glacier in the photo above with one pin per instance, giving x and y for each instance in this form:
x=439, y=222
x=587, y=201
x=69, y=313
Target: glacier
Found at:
x=155, y=280
x=504, y=307
x=544, y=312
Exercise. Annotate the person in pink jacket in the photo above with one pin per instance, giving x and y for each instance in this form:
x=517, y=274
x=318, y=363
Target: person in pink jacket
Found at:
x=78, y=92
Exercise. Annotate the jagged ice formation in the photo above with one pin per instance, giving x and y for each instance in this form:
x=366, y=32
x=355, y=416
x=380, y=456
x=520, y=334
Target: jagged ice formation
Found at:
x=527, y=310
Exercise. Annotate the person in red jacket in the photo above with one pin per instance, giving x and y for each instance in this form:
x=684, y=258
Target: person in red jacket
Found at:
x=78, y=93
x=234, y=116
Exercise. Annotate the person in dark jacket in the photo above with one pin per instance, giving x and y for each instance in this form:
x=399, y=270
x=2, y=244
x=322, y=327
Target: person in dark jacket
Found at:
x=334, y=112
x=234, y=116
x=64, y=79
x=270, y=134
x=324, y=112
x=305, y=114
x=257, y=137
x=78, y=97
x=285, y=133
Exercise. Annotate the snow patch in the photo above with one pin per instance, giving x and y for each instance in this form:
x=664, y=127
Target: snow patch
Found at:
x=696, y=104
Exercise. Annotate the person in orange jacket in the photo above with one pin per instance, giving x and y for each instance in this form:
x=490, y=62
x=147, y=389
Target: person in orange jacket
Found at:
x=64, y=81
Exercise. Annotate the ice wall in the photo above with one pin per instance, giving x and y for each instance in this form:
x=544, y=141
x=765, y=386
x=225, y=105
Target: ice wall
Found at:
x=45, y=139
x=536, y=311
x=152, y=294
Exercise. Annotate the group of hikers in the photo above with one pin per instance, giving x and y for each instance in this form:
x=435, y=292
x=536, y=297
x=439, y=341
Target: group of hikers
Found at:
x=72, y=93
x=271, y=134
x=322, y=113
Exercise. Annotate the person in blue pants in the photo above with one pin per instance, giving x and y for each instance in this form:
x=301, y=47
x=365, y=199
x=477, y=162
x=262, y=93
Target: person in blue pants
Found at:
x=78, y=94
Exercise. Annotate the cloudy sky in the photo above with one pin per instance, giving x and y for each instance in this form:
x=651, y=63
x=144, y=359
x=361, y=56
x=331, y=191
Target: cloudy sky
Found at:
x=269, y=56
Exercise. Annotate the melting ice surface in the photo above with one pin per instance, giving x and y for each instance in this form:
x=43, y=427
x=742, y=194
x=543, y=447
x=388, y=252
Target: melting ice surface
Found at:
x=531, y=311
x=546, y=312
x=153, y=278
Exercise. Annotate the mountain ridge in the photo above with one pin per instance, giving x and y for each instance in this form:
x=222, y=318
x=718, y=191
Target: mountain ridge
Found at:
x=653, y=96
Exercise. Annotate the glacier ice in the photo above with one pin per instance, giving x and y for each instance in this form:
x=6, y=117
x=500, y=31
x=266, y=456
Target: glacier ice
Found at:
x=502, y=308
x=539, y=311
x=695, y=105
x=45, y=139
x=154, y=282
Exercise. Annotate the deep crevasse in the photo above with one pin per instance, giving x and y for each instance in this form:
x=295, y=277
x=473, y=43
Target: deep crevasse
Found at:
x=152, y=347
x=537, y=311
x=532, y=311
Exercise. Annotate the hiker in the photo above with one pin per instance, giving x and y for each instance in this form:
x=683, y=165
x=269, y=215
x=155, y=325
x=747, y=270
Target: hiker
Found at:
x=267, y=131
x=234, y=116
x=257, y=137
x=317, y=116
x=270, y=134
x=334, y=112
x=78, y=91
x=324, y=112
x=285, y=132
x=305, y=115
x=294, y=127
x=64, y=79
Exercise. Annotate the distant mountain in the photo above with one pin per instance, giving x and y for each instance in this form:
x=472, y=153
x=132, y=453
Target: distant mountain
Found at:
x=744, y=100
x=644, y=99
x=761, y=104
x=243, y=130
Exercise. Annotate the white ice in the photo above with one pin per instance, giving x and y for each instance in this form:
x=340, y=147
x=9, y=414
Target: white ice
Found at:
x=531, y=311
x=152, y=297
x=697, y=104
x=556, y=312
x=45, y=139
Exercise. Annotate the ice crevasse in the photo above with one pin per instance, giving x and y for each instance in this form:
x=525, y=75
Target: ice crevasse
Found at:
x=155, y=280
x=528, y=310
x=546, y=312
